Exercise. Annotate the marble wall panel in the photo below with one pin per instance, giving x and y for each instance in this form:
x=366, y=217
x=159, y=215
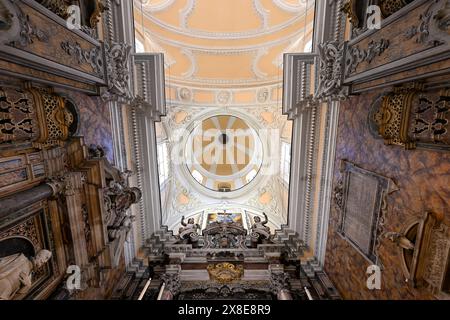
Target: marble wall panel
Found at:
x=423, y=177
x=95, y=120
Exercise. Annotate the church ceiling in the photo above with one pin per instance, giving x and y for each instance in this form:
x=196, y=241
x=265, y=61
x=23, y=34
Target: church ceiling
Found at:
x=223, y=64
x=216, y=43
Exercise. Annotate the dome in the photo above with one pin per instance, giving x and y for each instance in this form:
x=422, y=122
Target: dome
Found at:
x=223, y=153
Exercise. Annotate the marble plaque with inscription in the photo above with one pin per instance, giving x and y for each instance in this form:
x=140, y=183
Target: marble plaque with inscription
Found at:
x=359, y=218
x=362, y=197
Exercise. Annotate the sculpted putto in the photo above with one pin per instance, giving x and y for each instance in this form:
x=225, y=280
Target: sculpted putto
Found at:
x=259, y=227
x=16, y=273
x=187, y=228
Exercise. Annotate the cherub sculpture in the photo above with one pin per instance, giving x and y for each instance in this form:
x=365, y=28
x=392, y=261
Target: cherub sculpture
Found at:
x=259, y=227
x=188, y=229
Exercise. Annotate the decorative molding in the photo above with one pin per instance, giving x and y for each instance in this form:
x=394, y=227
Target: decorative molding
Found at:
x=161, y=6
x=185, y=94
x=224, y=97
x=262, y=13
x=279, y=280
x=356, y=56
x=26, y=229
x=35, y=116
x=186, y=12
x=263, y=95
x=193, y=68
x=29, y=32
x=274, y=206
x=93, y=56
x=225, y=272
x=331, y=71
x=150, y=83
x=255, y=69
x=240, y=49
x=117, y=65
x=289, y=7
x=434, y=25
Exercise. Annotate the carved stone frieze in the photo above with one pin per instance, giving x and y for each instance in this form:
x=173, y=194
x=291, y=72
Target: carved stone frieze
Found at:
x=436, y=267
x=57, y=118
x=28, y=31
x=117, y=60
x=338, y=195
x=224, y=235
x=18, y=116
x=393, y=115
x=355, y=56
x=93, y=56
x=429, y=119
x=434, y=25
x=331, y=72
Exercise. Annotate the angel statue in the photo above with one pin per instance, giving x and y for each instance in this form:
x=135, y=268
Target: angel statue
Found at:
x=189, y=229
x=259, y=227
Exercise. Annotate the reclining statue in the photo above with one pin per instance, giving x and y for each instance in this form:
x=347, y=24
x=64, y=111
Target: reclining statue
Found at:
x=16, y=273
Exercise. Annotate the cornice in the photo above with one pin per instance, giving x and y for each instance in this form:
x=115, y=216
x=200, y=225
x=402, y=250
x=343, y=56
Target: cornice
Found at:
x=227, y=84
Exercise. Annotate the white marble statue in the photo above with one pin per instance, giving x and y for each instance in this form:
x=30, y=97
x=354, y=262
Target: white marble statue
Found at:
x=16, y=273
x=260, y=225
x=188, y=228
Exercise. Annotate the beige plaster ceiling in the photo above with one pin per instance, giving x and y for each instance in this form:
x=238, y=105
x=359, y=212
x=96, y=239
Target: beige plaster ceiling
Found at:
x=217, y=43
x=224, y=151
